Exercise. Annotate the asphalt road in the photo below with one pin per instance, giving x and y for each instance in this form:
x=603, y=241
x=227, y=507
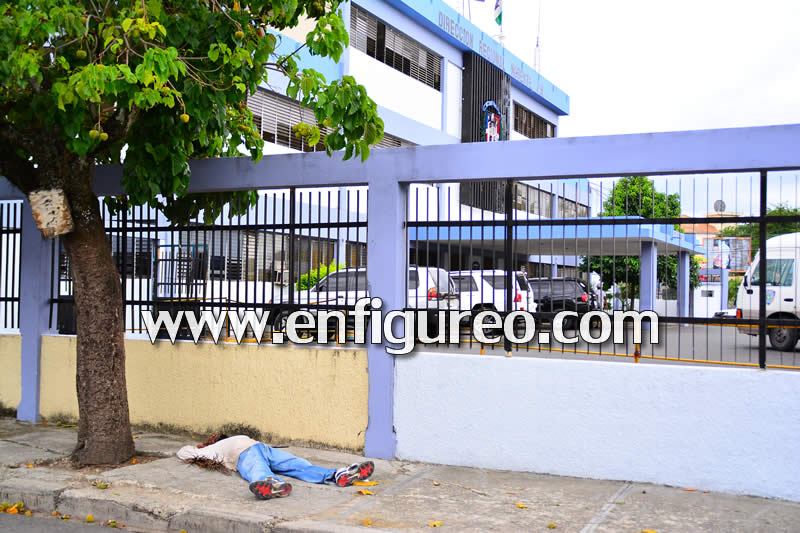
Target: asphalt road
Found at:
x=692, y=343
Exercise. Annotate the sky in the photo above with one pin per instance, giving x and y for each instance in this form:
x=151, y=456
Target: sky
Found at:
x=644, y=66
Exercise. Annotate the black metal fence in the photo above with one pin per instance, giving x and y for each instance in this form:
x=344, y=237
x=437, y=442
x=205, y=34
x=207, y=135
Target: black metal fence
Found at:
x=260, y=261
x=543, y=247
x=10, y=235
x=538, y=247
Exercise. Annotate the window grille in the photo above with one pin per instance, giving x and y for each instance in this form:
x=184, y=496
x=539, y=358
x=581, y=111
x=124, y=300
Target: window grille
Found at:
x=530, y=124
x=274, y=116
x=389, y=46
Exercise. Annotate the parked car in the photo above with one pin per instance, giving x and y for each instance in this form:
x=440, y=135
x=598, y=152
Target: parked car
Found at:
x=563, y=294
x=484, y=290
x=429, y=288
x=783, y=291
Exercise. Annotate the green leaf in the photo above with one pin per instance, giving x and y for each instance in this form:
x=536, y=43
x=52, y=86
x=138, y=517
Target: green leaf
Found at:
x=213, y=52
x=126, y=25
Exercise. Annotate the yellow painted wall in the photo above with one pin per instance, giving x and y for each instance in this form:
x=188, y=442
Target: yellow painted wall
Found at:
x=10, y=361
x=293, y=393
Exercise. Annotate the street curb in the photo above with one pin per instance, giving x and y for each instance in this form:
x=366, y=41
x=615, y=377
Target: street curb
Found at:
x=311, y=526
x=78, y=504
x=36, y=494
x=201, y=520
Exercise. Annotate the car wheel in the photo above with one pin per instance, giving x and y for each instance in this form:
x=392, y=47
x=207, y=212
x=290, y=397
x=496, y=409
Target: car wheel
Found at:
x=279, y=324
x=783, y=339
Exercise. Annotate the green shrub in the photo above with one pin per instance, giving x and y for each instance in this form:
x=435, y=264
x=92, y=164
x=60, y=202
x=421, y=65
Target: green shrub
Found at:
x=312, y=278
x=733, y=288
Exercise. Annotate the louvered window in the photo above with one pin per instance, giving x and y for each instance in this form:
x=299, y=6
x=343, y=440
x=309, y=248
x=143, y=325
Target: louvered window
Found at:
x=274, y=116
x=393, y=48
x=530, y=124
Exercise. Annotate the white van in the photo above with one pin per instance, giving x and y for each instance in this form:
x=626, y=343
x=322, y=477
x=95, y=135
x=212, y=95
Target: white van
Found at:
x=783, y=254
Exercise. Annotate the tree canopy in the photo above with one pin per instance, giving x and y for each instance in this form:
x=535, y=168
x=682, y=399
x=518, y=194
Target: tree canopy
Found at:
x=150, y=84
x=154, y=83
x=637, y=196
x=773, y=228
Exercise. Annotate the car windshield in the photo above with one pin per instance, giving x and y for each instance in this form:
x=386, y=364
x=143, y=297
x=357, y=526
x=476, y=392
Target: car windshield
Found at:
x=780, y=273
x=441, y=280
x=556, y=288
x=465, y=283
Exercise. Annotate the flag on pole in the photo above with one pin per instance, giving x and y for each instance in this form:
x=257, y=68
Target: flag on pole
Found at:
x=498, y=12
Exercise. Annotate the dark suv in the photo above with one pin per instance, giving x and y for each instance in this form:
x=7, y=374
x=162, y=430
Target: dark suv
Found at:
x=562, y=294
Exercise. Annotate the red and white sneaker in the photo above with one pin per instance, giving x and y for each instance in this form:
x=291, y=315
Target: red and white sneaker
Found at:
x=270, y=488
x=345, y=477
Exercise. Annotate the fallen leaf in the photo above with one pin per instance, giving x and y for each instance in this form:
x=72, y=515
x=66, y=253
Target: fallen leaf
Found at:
x=365, y=483
x=689, y=490
x=134, y=461
x=29, y=465
x=521, y=505
x=619, y=503
x=135, y=436
x=706, y=491
x=64, y=517
x=551, y=525
x=367, y=522
x=436, y=483
x=28, y=513
x=12, y=510
x=649, y=531
x=438, y=523
x=44, y=423
x=54, y=513
x=365, y=492
x=89, y=518
x=509, y=492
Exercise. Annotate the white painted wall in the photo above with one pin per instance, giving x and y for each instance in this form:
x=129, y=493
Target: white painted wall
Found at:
x=709, y=298
x=453, y=98
x=396, y=91
x=723, y=429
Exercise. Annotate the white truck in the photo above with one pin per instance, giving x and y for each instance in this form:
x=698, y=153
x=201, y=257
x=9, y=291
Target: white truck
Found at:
x=783, y=254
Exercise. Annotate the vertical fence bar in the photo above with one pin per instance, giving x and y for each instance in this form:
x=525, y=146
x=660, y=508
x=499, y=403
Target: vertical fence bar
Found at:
x=762, y=273
x=508, y=256
x=291, y=257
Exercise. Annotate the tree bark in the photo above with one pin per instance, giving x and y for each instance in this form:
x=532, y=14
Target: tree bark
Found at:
x=104, y=432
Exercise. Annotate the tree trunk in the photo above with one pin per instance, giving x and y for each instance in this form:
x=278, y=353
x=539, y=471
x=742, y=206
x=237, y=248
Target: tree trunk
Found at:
x=104, y=432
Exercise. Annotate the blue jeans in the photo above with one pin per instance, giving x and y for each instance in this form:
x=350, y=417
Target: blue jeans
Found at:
x=260, y=462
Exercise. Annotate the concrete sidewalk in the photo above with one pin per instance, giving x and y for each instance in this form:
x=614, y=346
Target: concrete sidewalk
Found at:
x=164, y=494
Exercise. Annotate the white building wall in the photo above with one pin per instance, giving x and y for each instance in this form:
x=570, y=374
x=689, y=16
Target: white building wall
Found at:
x=396, y=91
x=688, y=426
x=453, y=98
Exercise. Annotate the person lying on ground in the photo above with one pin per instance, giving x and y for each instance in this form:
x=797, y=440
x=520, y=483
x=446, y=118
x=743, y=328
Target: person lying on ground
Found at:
x=258, y=463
